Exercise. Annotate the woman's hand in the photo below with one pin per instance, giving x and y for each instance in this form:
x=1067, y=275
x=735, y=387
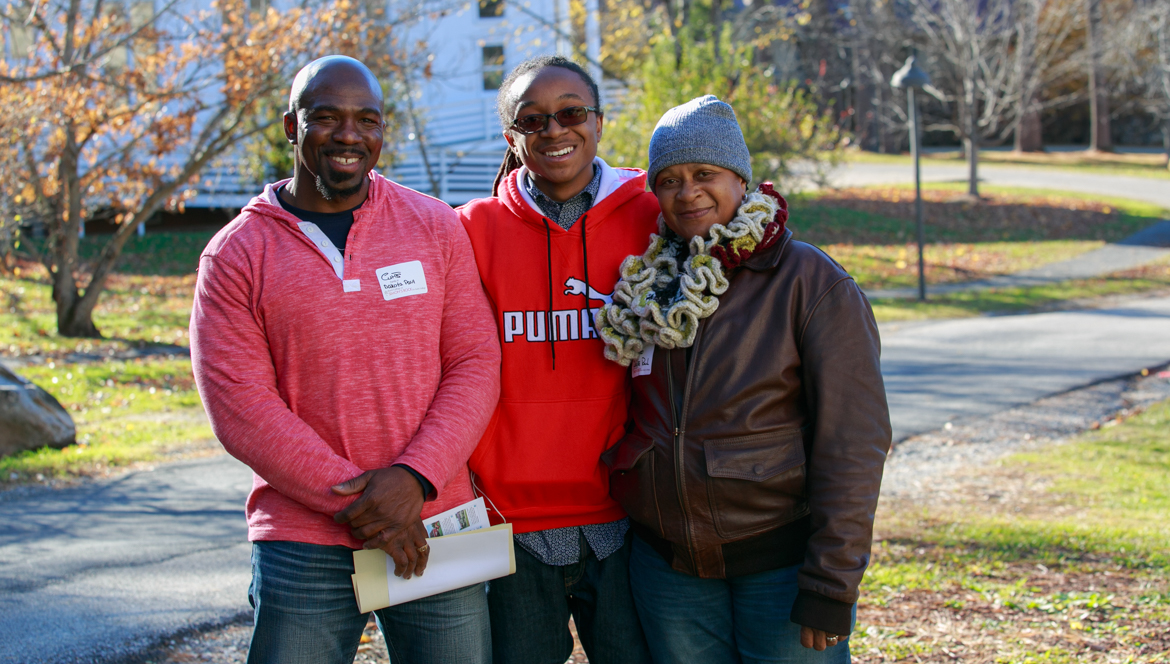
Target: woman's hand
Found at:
x=818, y=639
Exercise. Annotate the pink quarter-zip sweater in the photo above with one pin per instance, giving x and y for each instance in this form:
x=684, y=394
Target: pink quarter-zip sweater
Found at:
x=313, y=373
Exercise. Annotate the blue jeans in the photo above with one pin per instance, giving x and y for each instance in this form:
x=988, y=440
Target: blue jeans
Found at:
x=720, y=621
x=530, y=611
x=306, y=613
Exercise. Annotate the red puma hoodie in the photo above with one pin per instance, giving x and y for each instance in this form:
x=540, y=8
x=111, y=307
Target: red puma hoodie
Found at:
x=561, y=402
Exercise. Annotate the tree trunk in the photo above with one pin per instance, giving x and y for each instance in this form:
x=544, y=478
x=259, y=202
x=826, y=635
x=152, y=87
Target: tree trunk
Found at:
x=1166, y=139
x=73, y=320
x=717, y=26
x=971, y=129
x=79, y=324
x=1028, y=133
x=1099, y=130
x=862, y=102
x=971, y=144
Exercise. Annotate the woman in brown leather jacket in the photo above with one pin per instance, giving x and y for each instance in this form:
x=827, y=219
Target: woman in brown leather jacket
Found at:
x=754, y=458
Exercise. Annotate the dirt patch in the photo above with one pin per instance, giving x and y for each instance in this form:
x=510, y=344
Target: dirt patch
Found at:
x=961, y=625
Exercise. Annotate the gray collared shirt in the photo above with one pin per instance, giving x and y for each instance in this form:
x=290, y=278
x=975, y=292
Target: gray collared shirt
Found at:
x=562, y=546
x=565, y=214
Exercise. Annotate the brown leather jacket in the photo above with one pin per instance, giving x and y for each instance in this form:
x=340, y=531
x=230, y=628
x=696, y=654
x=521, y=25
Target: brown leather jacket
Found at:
x=779, y=414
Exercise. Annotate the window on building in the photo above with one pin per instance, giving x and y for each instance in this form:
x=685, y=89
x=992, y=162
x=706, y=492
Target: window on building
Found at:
x=491, y=8
x=146, y=45
x=493, y=67
x=21, y=39
x=142, y=14
x=119, y=57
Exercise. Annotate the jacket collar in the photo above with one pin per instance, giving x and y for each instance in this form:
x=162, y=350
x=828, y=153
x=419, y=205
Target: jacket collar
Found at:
x=769, y=258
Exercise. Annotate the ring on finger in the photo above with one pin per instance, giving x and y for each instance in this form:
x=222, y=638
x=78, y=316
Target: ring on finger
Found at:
x=832, y=640
x=424, y=548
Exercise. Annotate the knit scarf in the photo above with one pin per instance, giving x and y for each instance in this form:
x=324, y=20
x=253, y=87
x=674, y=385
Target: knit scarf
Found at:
x=655, y=302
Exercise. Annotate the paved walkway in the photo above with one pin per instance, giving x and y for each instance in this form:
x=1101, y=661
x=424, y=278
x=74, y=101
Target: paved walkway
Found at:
x=98, y=572
x=1138, y=249
x=939, y=370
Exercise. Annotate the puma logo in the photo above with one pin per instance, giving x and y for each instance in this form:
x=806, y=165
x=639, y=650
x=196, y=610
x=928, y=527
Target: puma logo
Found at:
x=578, y=287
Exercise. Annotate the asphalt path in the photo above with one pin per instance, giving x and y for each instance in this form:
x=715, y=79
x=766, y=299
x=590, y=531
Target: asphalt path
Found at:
x=99, y=571
x=93, y=573
x=941, y=370
x=1123, y=186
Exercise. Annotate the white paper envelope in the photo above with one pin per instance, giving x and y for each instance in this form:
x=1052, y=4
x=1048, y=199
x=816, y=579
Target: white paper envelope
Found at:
x=456, y=561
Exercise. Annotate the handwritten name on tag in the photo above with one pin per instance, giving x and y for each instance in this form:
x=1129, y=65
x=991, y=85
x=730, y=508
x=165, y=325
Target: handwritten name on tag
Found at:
x=641, y=366
x=401, y=280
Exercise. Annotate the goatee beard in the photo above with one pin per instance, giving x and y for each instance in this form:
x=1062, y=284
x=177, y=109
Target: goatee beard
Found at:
x=332, y=193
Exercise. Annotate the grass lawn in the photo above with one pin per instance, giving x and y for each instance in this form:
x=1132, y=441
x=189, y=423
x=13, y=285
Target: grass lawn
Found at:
x=147, y=302
x=1061, y=555
x=126, y=411
x=1140, y=165
x=1153, y=278
x=870, y=231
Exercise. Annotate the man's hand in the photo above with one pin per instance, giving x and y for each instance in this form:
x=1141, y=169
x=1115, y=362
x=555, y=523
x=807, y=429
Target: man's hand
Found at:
x=817, y=639
x=387, y=516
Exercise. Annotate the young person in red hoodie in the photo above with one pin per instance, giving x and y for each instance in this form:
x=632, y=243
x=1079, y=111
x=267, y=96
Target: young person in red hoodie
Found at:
x=548, y=245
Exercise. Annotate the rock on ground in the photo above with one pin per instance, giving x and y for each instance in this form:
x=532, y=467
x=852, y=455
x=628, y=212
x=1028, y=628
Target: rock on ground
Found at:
x=30, y=418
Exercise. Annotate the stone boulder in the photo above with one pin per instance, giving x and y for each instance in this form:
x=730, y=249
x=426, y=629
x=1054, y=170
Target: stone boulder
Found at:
x=30, y=418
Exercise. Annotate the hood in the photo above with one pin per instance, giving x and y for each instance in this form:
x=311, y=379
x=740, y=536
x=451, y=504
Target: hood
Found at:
x=266, y=204
x=618, y=186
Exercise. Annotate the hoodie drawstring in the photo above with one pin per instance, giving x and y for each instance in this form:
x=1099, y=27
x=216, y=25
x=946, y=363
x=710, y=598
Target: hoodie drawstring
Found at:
x=551, y=329
x=585, y=257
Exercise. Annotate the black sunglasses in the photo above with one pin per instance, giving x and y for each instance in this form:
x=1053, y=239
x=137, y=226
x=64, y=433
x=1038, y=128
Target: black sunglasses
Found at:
x=566, y=117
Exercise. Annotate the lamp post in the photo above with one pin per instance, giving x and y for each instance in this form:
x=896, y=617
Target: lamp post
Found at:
x=911, y=77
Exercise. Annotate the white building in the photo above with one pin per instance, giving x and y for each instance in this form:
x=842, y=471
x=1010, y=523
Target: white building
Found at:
x=470, y=46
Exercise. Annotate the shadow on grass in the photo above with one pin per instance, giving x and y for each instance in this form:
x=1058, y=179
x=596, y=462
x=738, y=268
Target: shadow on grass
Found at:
x=1049, y=544
x=887, y=217
x=154, y=254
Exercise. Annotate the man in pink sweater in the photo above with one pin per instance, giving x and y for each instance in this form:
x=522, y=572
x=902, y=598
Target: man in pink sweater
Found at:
x=345, y=351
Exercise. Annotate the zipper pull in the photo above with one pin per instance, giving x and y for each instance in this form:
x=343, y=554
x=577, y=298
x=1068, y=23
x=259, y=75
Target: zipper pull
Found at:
x=676, y=432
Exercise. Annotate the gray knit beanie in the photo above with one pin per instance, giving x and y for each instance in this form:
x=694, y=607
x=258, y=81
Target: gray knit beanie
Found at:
x=701, y=131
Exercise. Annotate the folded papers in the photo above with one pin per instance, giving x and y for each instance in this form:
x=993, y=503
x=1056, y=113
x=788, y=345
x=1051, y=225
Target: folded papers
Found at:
x=456, y=561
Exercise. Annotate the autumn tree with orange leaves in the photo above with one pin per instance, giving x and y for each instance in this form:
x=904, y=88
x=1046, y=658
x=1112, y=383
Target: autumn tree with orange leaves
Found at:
x=112, y=110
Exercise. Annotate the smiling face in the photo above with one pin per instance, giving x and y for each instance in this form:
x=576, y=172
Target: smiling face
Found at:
x=560, y=158
x=695, y=197
x=336, y=129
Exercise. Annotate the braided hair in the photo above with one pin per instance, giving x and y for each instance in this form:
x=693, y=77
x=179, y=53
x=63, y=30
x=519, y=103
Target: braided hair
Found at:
x=506, y=102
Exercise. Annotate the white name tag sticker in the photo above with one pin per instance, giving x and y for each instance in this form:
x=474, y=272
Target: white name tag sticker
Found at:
x=401, y=280
x=641, y=366
x=351, y=285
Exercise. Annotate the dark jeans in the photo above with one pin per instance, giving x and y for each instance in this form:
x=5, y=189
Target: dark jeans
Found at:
x=306, y=613
x=530, y=611
x=742, y=620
